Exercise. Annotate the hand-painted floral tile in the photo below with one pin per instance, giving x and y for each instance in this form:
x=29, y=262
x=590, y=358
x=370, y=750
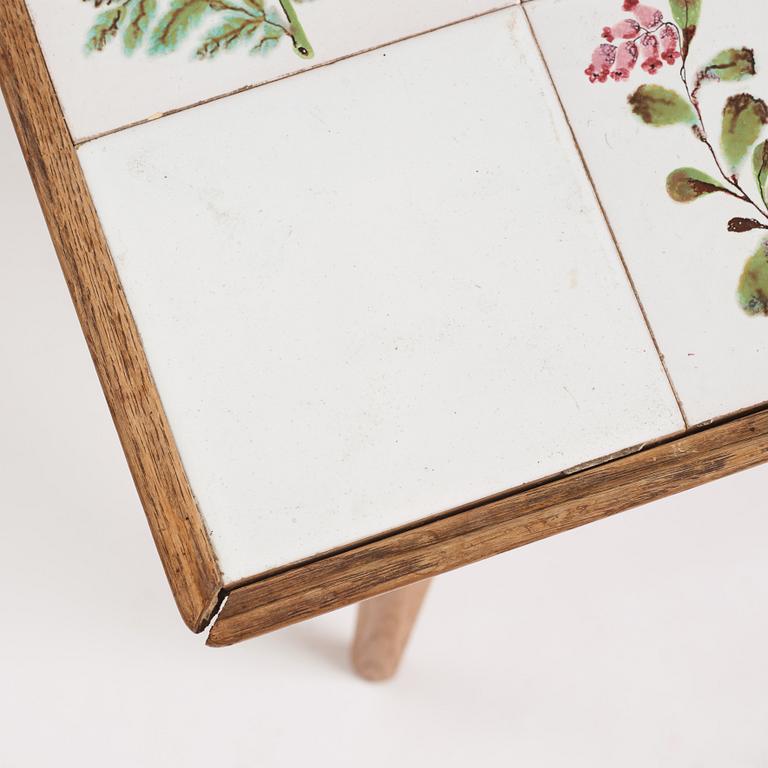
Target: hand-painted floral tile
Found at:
x=671, y=116
x=116, y=62
x=375, y=292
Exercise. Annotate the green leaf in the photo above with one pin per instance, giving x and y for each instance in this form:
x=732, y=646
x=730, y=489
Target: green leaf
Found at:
x=731, y=64
x=760, y=165
x=753, y=285
x=743, y=120
x=659, y=106
x=233, y=30
x=175, y=25
x=105, y=28
x=687, y=184
x=686, y=13
x=273, y=31
x=139, y=22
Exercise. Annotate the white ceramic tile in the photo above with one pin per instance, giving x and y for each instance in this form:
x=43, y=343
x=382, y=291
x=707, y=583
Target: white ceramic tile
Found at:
x=685, y=263
x=404, y=301
x=103, y=90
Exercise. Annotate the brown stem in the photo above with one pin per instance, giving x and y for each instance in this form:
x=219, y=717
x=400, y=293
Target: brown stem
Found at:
x=760, y=180
x=223, y=6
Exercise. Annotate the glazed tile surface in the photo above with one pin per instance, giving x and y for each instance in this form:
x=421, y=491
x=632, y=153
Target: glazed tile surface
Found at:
x=687, y=203
x=376, y=291
x=116, y=62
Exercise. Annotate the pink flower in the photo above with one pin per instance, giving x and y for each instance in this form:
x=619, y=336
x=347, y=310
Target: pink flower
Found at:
x=602, y=61
x=649, y=46
x=626, y=58
x=624, y=30
x=670, y=41
x=646, y=38
x=647, y=16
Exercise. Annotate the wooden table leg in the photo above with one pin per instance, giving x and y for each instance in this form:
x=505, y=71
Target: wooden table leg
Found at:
x=384, y=625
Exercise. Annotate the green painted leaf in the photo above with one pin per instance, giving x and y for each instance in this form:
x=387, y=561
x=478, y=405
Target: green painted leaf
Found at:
x=273, y=31
x=753, y=285
x=743, y=119
x=731, y=64
x=659, y=106
x=105, y=28
x=686, y=13
x=176, y=23
x=232, y=31
x=138, y=24
x=687, y=184
x=760, y=166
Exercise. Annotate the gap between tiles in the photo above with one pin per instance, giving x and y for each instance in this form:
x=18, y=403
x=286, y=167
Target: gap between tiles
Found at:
x=498, y=9
x=619, y=252
x=152, y=118
x=506, y=6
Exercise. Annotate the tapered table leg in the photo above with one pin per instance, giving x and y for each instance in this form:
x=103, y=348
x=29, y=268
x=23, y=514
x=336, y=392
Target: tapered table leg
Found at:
x=384, y=625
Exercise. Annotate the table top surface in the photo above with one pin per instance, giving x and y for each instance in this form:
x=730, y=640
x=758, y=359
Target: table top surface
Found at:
x=436, y=261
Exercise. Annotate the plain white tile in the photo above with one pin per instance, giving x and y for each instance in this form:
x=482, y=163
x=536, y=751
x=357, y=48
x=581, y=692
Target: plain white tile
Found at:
x=683, y=260
x=403, y=302
x=104, y=90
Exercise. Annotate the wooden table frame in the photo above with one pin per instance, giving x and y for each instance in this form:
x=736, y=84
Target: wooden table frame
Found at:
x=367, y=569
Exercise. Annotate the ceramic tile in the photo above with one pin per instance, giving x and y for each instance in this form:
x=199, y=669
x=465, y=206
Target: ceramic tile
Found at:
x=115, y=62
x=402, y=302
x=709, y=320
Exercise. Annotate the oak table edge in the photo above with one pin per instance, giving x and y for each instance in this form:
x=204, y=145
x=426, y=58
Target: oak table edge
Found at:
x=107, y=324
x=491, y=528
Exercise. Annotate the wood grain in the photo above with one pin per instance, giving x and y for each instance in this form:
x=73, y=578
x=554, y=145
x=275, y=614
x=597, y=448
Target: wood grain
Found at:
x=384, y=626
x=489, y=529
x=106, y=320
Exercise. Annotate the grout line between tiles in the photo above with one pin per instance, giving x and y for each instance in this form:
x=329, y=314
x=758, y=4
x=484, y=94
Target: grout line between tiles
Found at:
x=202, y=102
x=506, y=6
x=607, y=220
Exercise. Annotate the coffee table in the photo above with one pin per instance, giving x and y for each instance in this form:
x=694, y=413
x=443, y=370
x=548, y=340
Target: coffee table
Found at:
x=375, y=291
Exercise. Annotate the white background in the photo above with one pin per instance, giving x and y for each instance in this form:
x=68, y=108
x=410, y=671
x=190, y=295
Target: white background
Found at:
x=639, y=641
